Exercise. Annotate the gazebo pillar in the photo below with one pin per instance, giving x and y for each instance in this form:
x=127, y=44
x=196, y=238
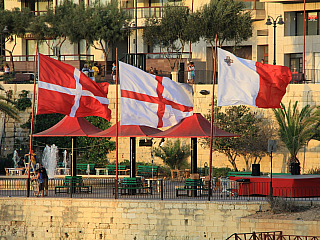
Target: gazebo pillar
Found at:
x=132, y=157
x=194, y=153
x=74, y=156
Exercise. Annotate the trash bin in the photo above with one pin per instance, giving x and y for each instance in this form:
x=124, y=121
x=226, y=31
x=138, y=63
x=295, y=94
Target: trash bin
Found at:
x=255, y=170
x=295, y=168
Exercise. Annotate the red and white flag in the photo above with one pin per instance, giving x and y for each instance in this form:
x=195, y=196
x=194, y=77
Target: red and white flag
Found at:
x=150, y=100
x=246, y=82
x=64, y=89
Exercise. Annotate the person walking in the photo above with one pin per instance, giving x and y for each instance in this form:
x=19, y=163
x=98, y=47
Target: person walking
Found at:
x=39, y=177
x=191, y=73
x=95, y=71
x=43, y=171
x=114, y=72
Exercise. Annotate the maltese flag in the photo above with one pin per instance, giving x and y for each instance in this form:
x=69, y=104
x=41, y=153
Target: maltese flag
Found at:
x=64, y=89
x=246, y=82
x=150, y=100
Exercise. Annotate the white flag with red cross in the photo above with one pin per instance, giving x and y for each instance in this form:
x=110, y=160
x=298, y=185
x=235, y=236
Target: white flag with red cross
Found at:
x=150, y=100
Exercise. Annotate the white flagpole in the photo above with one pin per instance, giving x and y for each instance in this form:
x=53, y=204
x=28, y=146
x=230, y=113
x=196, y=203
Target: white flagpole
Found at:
x=212, y=110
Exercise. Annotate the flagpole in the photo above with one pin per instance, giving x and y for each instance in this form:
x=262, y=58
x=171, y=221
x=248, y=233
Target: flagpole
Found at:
x=32, y=118
x=212, y=109
x=117, y=126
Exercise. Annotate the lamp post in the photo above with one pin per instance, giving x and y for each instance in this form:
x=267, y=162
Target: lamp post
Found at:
x=275, y=23
x=128, y=27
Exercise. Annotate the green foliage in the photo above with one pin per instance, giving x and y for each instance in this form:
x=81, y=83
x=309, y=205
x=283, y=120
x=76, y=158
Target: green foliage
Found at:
x=281, y=205
x=296, y=128
x=249, y=125
x=227, y=20
x=23, y=102
x=173, y=154
x=6, y=106
x=172, y=33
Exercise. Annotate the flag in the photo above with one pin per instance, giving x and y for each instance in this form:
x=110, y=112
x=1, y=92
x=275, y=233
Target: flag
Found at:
x=150, y=100
x=64, y=89
x=246, y=82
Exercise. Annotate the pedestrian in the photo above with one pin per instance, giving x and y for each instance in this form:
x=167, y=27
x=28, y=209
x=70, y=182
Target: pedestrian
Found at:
x=262, y=61
x=151, y=70
x=33, y=157
x=191, y=73
x=114, y=72
x=6, y=69
x=95, y=71
x=45, y=178
x=39, y=177
x=86, y=70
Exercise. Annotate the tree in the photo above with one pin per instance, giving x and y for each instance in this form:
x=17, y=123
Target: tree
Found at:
x=239, y=120
x=104, y=27
x=227, y=20
x=173, y=154
x=7, y=108
x=172, y=33
x=296, y=128
x=17, y=22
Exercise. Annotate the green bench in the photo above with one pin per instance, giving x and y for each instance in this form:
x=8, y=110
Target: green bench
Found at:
x=235, y=174
x=77, y=185
x=132, y=186
x=121, y=169
x=147, y=171
x=191, y=185
x=83, y=167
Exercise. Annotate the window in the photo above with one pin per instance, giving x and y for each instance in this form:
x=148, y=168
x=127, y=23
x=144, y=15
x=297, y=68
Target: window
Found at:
x=294, y=23
x=253, y=4
x=296, y=62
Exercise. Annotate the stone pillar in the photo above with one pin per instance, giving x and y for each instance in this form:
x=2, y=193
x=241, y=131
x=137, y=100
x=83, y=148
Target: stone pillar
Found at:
x=174, y=76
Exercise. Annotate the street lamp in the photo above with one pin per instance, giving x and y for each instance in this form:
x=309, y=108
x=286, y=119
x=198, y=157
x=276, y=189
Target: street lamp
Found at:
x=128, y=27
x=274, y=22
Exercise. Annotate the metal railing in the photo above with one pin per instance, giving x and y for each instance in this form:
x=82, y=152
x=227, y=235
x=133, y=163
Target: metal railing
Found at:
x=65, y=57
x=277, y=235
x=173, y=189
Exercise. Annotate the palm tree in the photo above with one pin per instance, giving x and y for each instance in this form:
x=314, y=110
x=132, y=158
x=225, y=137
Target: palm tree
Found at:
x=173, y=154
x=296, y=128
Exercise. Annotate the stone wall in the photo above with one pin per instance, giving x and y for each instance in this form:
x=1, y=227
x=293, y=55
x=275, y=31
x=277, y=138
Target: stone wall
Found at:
x=56, y=218
x=303, y=93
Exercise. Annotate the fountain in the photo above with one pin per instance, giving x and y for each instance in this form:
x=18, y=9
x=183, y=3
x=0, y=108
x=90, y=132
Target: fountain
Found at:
x=49, y=159
x=15, y=158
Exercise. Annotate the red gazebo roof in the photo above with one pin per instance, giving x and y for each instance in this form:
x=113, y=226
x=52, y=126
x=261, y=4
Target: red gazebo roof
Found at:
x=70, y=127
x=127, y=131
x=193, y=127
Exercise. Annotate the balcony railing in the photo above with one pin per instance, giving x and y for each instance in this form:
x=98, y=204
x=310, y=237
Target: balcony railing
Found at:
x=66, y=57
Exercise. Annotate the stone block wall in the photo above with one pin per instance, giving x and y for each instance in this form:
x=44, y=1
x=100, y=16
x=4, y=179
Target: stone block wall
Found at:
x=57, y=218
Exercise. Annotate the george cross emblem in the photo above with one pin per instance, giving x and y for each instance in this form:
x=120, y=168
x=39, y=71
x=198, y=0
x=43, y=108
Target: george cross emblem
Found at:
x=228, y=60
x=160, y=100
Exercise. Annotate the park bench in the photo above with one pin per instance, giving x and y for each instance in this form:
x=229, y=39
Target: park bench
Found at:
x=77, y=185
x=82, y=167
x=191, y=185
x=132, y=186
x=234, y=174
x=121, y=169
x=147, y=171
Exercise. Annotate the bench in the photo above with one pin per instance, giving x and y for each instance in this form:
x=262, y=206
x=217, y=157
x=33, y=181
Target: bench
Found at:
x=234, y=174
x=191, y=185
x=132, y=185
x=77, y=185
x=82, y=167
x=147, y=171
x=121, y=169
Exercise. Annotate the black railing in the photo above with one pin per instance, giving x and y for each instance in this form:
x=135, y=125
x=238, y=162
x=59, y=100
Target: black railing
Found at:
x=160, y=189
x=277, y=235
